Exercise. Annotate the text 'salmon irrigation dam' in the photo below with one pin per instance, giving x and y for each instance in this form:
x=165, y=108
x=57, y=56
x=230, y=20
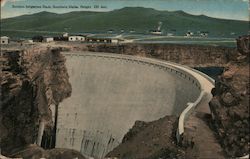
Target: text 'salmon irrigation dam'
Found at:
x=110, y=92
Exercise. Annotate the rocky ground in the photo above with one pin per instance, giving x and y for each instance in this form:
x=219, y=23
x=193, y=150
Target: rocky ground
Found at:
x=230, y=104
x=151, y=140
x=36, y=152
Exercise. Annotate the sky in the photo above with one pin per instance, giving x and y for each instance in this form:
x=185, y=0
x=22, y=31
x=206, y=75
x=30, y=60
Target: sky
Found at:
x=224, y=9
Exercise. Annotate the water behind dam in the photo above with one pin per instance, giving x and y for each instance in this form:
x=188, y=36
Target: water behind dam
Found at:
x=109, y=94
x=213, y=72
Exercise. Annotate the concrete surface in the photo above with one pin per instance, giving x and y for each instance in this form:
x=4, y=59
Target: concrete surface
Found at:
x=110, y=92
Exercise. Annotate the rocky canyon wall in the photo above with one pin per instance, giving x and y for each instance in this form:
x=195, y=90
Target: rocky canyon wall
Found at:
x=230, y=104
x=31, y=81
x=191, y=55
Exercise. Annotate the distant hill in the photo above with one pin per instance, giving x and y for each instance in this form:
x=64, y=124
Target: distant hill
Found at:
x=130, y=18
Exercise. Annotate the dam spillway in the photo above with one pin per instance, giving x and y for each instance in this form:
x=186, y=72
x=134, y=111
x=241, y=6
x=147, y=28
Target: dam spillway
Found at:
x=110, y=92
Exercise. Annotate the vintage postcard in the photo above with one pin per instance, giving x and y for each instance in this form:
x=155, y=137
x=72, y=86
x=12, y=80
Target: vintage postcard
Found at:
x=124, y=79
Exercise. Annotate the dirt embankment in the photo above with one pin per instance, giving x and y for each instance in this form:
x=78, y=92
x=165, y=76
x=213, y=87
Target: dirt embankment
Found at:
x=31, y=80
x=230, y=104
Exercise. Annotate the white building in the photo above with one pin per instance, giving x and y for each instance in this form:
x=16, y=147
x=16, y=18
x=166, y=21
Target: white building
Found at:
x=48, y=39
x=5, y=40
x=114, y=41
x=76, y=38
x=30, y=41
x=65, y=34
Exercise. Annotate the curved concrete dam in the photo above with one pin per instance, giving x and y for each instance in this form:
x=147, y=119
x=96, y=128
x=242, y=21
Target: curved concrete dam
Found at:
x=110, y=92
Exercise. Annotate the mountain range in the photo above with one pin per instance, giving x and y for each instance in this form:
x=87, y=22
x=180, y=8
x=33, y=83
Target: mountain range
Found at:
x=139, y=19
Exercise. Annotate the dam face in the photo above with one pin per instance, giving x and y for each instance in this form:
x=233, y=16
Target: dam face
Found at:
x=110, y=92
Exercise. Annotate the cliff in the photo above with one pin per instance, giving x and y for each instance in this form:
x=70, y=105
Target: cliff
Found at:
x=190, y=55
x=31, y=81
x=230, y=104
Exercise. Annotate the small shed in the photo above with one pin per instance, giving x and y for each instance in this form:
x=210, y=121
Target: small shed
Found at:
x=48, y=39
x=65, y=34
x=115, y=41
x=30, y=41
x=5, y=40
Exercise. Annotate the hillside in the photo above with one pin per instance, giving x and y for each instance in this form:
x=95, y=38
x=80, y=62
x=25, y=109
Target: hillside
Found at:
x=139, y=19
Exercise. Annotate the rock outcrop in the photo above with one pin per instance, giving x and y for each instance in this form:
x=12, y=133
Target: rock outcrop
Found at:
x=150, y=140
x=31, y=81
x=230, y=104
